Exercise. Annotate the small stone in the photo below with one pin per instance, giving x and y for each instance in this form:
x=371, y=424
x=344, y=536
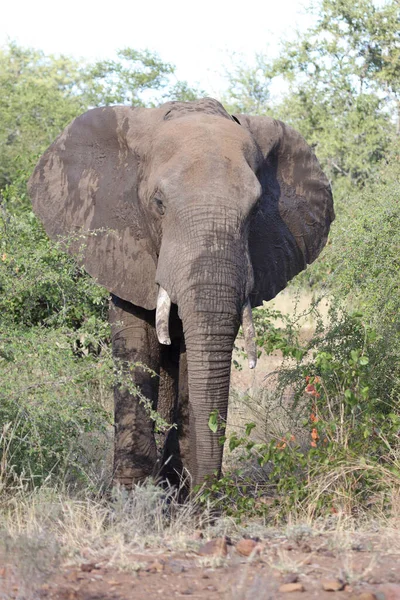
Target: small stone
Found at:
x=291, y=578
x=363, y=596
x=216, y=547
x=177, y=567
x=246, y=546
x=255, y=538
x=326, y=552
x=357, y=547
x=332, y=585
x=88, y=567
x=289, y=547
x=291, y=587
x=156, y=567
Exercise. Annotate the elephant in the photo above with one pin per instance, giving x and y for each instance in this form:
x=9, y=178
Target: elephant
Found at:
x=190, y=217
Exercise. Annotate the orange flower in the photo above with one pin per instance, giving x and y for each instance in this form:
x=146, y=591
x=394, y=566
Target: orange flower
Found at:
x=311, y=390
x=314, y=444
x=308, y=378
x=317, y=379
x=313, y=418
x=281, y=445
x=292, y=438
x=314, y=434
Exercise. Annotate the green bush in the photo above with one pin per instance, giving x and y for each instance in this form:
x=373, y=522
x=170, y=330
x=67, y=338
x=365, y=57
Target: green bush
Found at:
x=39, y=283
x=348, y=450
x=51, y=402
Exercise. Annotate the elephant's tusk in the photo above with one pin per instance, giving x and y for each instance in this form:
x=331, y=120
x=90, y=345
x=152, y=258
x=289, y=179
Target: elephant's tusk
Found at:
x=162, y=317
x=249, y=335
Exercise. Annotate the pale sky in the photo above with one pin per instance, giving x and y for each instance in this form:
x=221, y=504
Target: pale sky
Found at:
x=198, y=37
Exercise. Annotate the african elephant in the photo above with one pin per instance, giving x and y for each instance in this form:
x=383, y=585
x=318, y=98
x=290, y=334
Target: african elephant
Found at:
x=190, y=217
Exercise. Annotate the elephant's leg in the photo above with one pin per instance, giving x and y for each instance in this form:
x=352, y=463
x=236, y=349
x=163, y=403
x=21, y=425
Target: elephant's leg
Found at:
x=173, y=401
x=174, y=386
x=167, y=400
x=134, y=340
x=182, y=409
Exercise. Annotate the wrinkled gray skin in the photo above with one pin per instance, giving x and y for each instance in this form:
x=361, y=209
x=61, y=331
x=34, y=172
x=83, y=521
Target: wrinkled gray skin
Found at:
x=214, y=210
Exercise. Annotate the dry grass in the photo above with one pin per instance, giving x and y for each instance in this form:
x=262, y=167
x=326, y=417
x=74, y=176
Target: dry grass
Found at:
x=46, y=528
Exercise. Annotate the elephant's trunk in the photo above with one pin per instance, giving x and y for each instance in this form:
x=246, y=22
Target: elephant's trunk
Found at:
x=209, y=343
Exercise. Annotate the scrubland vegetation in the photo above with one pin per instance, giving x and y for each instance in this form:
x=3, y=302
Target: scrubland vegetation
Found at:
x=336, y=453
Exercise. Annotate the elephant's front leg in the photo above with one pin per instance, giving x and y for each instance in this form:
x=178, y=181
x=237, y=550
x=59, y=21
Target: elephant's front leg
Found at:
x=134, y=340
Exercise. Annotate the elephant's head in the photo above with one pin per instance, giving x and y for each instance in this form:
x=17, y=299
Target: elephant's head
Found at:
x=185, y=203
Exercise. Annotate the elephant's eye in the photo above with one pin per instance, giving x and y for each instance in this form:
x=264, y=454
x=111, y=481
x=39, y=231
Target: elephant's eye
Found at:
x=160, y=205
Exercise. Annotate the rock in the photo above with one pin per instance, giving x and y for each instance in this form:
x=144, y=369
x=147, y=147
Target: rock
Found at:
x=291, y=587
x=289, y=547
x=217, y=547
x=332, y=585
x=326, y=552
x=176, y=567
x=156, y=567
x=246, y=546
x=88, y=567
x=291, y=578
x=255, y=538
x=363, y=596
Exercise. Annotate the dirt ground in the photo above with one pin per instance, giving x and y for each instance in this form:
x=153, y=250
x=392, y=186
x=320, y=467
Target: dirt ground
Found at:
x=355, y=566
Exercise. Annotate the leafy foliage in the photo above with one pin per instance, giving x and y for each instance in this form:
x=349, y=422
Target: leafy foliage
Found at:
x=341, y=82
x=40, y=94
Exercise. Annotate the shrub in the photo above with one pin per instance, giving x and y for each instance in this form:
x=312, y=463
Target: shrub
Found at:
x=348, y=449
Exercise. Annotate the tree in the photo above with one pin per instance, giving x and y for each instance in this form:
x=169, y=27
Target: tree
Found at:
x=249, y=88
x=343, y=81
x=127, y=79
x=40, y=94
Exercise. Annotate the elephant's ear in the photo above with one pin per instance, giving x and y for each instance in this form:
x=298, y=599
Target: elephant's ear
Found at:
x=84, y=189
x=291, y=223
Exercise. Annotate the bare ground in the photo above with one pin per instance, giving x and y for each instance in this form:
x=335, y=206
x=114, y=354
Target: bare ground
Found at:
x=353, y=562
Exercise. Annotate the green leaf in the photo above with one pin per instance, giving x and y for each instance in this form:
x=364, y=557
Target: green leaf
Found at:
x=213, y=421
x=249, y=428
